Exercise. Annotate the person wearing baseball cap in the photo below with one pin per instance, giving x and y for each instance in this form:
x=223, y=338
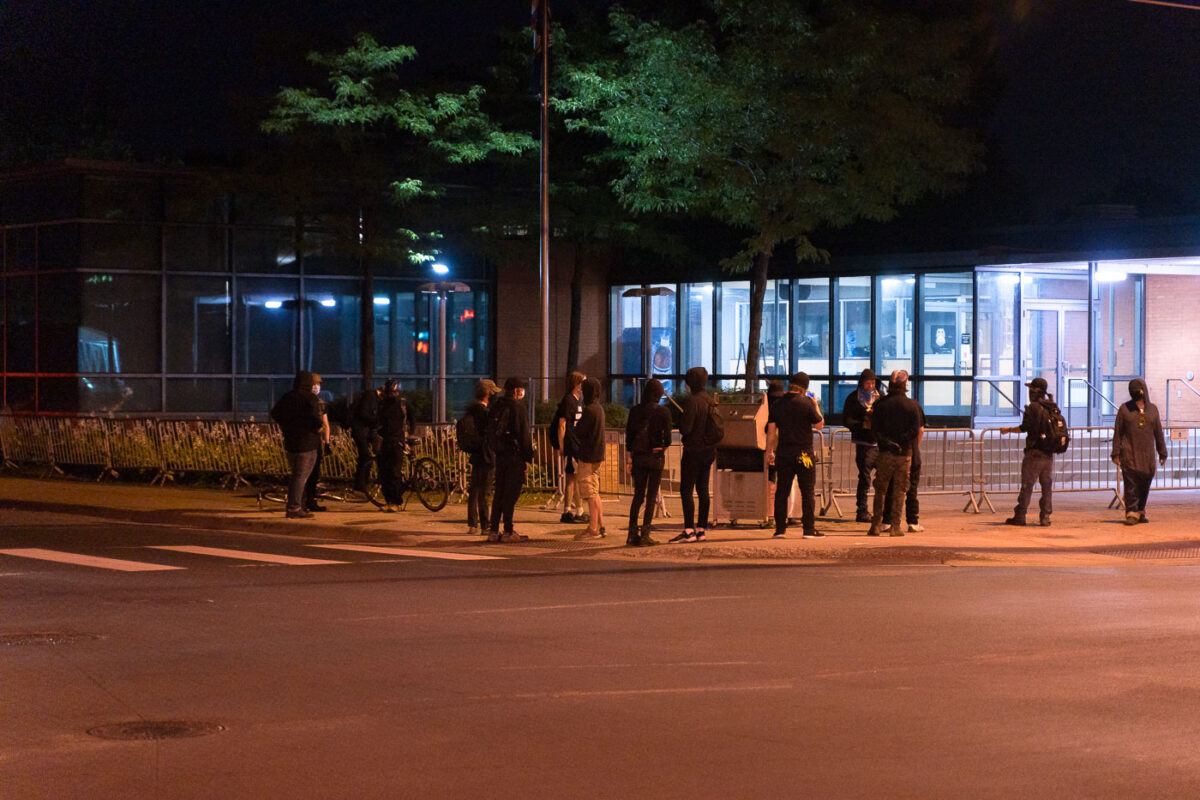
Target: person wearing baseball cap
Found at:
x=512, y=446
x=1036, y=464
x=482, y=460
x=897, y=425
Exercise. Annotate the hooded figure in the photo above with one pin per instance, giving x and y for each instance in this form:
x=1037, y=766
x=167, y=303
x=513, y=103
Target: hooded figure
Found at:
x=299, y=414
x=856, y=415
x=1137, y=440
x=647, y=436
x=696, y=462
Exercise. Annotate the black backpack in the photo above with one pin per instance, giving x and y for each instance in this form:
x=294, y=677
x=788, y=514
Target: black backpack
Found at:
x=499, y=435
x=714, y=427
x=641, y=438
x=1054, y=436
x=467, y=435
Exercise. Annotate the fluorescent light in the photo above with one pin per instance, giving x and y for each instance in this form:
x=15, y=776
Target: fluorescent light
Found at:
x=910, y=281
x=1110, y=276
x=440, y=269
x=383, y=301
x=329, y=302
x=273, y=304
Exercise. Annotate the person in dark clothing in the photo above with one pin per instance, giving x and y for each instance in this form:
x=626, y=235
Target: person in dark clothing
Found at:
x=364, y=427
x=790, y=426
x=1137, y=438
x=775, y=390
x=856, y=415
x=896, y=421
x=590, y=433
x=695, y=464
x=298, y=414
x=912, y=503
x=310, y=486
x=395, y=426
x=482, y=461
x=562, y=436
x=512, y=447
x=1036, y=464
x=647, y=437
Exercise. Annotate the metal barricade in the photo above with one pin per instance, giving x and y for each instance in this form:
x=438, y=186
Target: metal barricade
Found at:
x=1182, y=470
x=77, y=442
x=1085, y=467
x=133, y=444
x=195, y=446
x=23, y=440
x=440, y=442
x=258, y=447
x=342, y=459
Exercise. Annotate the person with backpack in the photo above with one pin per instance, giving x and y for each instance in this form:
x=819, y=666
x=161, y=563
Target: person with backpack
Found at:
x=1038, y=462
x=790, y=426
x=364, y=427
x=395, y=426
x=1137, y=439
x=469, y=432
x=647, y=437
x=700, y=429
x=509, y=439
x=564, y=440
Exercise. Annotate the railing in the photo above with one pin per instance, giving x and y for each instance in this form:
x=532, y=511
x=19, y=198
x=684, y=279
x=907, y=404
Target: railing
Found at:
x=1186, y=385
x=1085, y=467
x=1094, y=390
x=996, y=388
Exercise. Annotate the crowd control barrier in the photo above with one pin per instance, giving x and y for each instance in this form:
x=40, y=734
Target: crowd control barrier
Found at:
x=1085, y=467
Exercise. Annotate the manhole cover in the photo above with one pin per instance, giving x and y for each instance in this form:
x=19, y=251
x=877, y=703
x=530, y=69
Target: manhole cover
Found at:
x=1153, y=552
x=171, y=729
x=14, y=639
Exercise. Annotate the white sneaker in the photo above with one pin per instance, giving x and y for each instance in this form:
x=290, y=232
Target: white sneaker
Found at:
x=915, y=528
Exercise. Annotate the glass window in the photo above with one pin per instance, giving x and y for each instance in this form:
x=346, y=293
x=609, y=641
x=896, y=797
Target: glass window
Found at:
x=894, y=323
x=733, y=326
x=257, y=396
x=468, y=339
x=852, y=324
x=946, y=329
x=120, y=197
x=696, y=327
x=269, y=250
x=627, y=327
x=188, y=395
x=773, y=340
x=995, y=347
x=810, y=331
x=105, y=394
x=333, y=325
x=266, y=324
x=119, y=246
x=58, y=247
x=403, y=330
x=119, y=323
x=21, y=334
x=662, y=331
x=200, y=326
x=194, y=248
x=20, y=249
x=19, y=393
x=62, y=345
x=325, y=254
x=1121, y=302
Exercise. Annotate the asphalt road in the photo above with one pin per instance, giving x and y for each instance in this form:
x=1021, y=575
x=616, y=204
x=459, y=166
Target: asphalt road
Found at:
x=410, y=675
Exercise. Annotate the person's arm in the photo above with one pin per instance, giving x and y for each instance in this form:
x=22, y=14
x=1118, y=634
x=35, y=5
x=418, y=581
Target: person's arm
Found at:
x=850, y=413
x=1159, y=440
x=820, y=423
x=772, y=442
x=1118, y=434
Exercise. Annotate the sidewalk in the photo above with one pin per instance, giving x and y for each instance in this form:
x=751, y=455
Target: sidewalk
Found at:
x=1085, y=532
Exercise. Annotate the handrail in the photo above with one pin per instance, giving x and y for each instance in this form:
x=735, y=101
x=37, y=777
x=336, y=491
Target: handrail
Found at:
x=999, y=391
x=1099, y=393
x=1187, y=385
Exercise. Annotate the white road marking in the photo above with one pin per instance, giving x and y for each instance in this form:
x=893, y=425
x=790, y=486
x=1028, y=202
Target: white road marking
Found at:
x=408, y=551
x=245, y=555
x=523, y=609
x=85, y=561
x=568, y=694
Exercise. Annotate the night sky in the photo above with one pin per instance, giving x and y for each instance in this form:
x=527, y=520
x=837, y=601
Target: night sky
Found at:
x=1100, y=99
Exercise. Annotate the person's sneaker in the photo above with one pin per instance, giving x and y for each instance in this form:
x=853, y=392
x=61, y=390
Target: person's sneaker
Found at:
x=915, y=527
x=513, y=536
x=1015, y=521
x=874, y=531
x=699, y=537
x=685, y=536
x=813, y=535
x=472, y=530
x=862, y=517
x=567, y=518
x=780, y=534
x=1131, y=518
x=301, y=514
x=1044, y=522
x=588, y=534
x=895, y=532
x=493, y=536
x=1142, y=518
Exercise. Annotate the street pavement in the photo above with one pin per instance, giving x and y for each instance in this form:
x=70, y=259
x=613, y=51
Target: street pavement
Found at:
x=1085, y=530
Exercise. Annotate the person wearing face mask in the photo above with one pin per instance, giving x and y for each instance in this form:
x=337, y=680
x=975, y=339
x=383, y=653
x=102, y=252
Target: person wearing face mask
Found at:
x=310, y=486
x=856, y=415
x=1137, y=439
x=300, y=417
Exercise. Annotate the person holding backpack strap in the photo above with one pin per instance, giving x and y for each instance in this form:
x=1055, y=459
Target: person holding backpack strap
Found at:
x=647, y=437
x=699, y=452
x=1137, y=438
x=480, y=457
x=1036, y=464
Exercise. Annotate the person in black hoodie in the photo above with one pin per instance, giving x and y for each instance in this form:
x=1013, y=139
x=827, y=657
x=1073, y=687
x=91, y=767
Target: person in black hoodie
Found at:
x=647, y=437
x=590, y=433
x=395, y=426
x=1036, y=464
x=856, y=415
x=897, y=425
x=1137, y=438
x=364, y=427
x=697, y=459
x=512, y=446
x=482, y=461
x=298, y=414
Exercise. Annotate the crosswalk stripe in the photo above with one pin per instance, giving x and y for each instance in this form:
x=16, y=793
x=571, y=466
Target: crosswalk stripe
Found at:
x=86, y=561
x=244, y=555
x=408, y=551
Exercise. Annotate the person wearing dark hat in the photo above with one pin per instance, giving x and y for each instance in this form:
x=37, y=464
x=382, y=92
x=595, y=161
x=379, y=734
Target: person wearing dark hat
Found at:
x=1137, y=438
x=364, y=427
x=856, y=415
x=790, y=426
x=647, y=437
x=512, y=447
x=298, y=414
x=395, y=426
x=896, y=422
x=481, y=459
x=1036, y=464
x=695, y=464
x=310, y=486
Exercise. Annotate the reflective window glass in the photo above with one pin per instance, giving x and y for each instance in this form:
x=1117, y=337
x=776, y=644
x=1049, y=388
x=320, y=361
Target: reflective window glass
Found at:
x=810, y=330
x=696, y=323
x=200, y=325
x=266, y=323
x=468, y=338
x=119, y=246
x=995, y=345
x=21, y=334
x=194, y=248
x=119, y=323
x=946, y=321
x=894, y=323
x=333, y=325
x=403, y=330
x=627, y=327
x=662, y=331
x=852, y=324
x=269, y=250
x=187, y=395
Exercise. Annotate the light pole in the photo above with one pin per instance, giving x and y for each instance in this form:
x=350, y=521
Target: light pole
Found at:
x=442, y=289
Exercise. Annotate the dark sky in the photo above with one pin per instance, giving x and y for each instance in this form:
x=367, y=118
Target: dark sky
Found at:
x=1100, y=98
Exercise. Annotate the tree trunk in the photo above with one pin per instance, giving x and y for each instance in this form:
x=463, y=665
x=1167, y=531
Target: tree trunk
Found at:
x=576, y=313
x=758, y=291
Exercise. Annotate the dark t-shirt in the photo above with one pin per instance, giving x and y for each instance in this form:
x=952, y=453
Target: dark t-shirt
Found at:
x=570, y=408
x=794, y=415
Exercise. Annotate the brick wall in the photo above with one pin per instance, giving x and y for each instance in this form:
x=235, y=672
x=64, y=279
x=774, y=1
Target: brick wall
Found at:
x=1172, y=344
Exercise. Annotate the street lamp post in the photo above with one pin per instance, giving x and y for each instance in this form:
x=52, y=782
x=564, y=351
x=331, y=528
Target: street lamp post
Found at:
x=442, y=289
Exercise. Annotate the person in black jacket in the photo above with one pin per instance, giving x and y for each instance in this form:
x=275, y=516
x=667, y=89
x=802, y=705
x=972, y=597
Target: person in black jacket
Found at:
x=314, y=475
x=790, y=449
x=897, y=425
x=856, y=415
x=1137, y=439
x=481, y=459
x=1036, y=465
x=364, y=427
x=647, y=437
x=395, y=426
x=512, y=446
x=299, y=416
x=590, y=433
x=696, y=462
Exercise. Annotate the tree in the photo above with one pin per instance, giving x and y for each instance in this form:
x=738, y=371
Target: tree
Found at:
x=386, y=148
x=779, y=118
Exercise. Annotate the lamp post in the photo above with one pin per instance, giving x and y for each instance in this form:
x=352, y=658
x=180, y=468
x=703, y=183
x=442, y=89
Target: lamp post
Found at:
x=442, y=289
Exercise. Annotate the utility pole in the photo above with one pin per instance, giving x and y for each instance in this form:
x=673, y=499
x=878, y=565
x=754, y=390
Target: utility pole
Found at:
x=541, y=43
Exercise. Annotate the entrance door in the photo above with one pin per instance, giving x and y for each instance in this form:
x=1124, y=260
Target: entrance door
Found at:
x=1055, y=349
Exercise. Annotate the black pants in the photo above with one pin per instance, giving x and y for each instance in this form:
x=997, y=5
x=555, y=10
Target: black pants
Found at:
x=1036, y=466
x=362, y=468
x=912, y=506
x=1137, y=490
x=510, y=477
x=694, y=469
x=390, y=464
x=788, y=468
x=478, y=492
x=865, y=459
x=310, y=486
x=647, y=475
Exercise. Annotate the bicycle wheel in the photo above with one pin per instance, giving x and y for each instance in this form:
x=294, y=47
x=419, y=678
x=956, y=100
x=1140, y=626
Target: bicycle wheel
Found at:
x=430, y=483
x=272, y=494
x=374, y=494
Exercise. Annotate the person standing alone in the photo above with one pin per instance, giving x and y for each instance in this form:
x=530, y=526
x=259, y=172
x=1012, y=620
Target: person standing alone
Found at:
x=299, y=416
x=790, y=449
x=1137, y=438
x=1036, y=463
